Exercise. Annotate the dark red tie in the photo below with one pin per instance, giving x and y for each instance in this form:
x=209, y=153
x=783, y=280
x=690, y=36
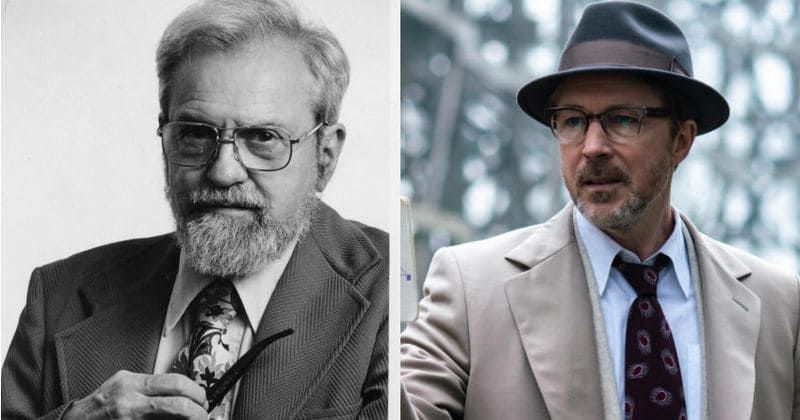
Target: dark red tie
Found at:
x=653, y=388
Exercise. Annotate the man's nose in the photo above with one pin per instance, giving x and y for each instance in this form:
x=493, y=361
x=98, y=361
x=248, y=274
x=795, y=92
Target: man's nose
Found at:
x=226, y=169
x=596, y=142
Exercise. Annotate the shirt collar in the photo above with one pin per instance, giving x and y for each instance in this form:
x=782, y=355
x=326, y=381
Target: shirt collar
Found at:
x=254, y=289
x=602, y=250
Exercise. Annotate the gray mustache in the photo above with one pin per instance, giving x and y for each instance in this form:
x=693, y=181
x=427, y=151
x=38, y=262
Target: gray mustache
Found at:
x=235, y=196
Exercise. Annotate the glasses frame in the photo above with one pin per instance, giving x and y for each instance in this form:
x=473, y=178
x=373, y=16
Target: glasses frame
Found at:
x=231, y=139
x=643, y=111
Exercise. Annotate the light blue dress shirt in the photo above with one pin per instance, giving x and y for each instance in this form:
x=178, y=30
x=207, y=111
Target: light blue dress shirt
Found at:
x=675, y=294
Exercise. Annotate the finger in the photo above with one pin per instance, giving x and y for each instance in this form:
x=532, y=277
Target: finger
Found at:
x=173, y=384
x=175, y=407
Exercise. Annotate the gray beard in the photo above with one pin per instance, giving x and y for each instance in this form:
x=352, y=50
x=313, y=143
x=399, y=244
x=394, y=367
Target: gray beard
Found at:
x=223, y=246
x=620, y=220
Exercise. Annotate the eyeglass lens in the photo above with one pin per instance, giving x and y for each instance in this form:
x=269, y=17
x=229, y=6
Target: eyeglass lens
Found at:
x=571, y=124
x=264, y=148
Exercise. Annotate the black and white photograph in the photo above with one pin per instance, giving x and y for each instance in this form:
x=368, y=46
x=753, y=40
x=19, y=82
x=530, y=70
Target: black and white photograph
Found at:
x=197, y=201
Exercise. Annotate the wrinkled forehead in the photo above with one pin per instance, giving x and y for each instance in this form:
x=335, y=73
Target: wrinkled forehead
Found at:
x=254, y=56
x=272, y=72
x=598, y=89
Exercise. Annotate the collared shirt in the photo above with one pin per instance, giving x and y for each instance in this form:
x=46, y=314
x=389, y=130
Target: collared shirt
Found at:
x=255, y=291
x=675, y=293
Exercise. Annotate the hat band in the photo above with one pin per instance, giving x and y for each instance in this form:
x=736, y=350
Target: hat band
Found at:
x=618, y=53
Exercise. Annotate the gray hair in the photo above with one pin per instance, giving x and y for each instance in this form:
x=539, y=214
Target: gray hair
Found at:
x=222, y=25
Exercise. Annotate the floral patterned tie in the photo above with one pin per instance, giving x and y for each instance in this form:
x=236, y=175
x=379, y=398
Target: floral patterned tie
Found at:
x=653, y=387
x=215, y=340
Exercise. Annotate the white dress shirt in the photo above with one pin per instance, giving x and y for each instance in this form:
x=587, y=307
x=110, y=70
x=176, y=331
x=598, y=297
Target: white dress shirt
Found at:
x=255, y=291
x=675, y=293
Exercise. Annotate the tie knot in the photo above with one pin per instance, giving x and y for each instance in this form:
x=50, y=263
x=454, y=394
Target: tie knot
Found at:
x=643, y=278
x=217, y=303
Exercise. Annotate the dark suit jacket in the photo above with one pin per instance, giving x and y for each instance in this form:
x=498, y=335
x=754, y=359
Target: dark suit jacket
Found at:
x=102, y=310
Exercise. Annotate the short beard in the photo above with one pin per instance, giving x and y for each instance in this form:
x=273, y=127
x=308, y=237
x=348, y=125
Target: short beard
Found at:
x=621, y=219
x=627, y=215
x=223, y=246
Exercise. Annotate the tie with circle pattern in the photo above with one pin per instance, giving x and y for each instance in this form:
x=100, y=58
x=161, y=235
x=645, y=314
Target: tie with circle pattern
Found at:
x=653, y=387
x=213, y=346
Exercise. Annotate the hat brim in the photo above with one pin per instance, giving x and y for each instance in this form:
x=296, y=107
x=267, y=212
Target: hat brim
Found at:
x=704, y=104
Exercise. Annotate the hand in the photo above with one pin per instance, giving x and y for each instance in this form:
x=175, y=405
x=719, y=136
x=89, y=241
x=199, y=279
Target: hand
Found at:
x=128, y=395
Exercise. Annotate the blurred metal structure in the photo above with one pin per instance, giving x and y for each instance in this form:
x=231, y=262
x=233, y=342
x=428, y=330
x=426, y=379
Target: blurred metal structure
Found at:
x=475, y=165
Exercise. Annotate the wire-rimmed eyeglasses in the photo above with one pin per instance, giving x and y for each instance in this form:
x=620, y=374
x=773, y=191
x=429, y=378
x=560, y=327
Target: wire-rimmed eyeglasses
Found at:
x=261, y=148
x=621, y=124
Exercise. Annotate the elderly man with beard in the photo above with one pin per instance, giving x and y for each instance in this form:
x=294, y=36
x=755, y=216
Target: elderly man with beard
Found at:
x=617, y=307
x=250, y=97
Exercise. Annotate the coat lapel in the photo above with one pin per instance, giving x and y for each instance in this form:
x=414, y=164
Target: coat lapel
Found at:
x=732, y=317
x=550, y=304
x=316, y=296
x=123, y=329
x=551, y=308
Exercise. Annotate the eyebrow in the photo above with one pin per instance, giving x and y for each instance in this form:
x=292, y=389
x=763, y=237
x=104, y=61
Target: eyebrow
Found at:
x=199, y=117
x=193, y=117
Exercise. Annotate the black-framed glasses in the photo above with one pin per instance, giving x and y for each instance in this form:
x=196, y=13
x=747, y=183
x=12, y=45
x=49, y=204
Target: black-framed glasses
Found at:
x=621, y=123
x=261, y=148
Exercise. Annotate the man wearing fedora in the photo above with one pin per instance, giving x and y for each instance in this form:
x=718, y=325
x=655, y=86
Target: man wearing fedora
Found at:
x=617, y=307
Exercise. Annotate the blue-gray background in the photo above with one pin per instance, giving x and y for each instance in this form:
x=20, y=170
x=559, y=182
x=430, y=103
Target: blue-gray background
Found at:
x=474, y=165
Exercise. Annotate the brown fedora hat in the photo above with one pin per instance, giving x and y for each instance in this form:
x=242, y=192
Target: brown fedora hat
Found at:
x=629, y=37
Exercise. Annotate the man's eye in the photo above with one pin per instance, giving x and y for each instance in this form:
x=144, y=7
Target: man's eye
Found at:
x=573, y=122
x=260, y=135
x=194, y=133
x=624, y=120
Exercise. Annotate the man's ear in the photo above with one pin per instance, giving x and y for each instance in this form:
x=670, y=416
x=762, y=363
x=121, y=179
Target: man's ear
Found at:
x=329, y=146
x=687, y=132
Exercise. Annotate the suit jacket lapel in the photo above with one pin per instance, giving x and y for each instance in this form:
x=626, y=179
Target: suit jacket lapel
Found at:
x=551, y=309
x=317, y=298
x=127, y=303
x=550, y=303
x=731, y=317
